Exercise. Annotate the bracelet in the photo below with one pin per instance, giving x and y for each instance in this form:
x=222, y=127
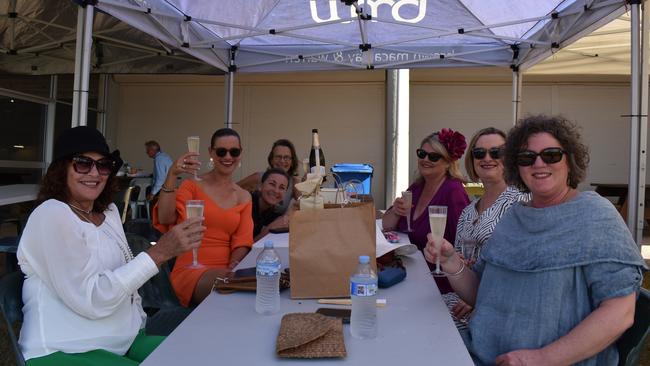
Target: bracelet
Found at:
x=167, y=190
x=462, y=268
x=457, y=273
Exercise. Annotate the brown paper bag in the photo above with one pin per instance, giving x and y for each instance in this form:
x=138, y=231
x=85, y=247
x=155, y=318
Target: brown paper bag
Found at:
x=324, y=248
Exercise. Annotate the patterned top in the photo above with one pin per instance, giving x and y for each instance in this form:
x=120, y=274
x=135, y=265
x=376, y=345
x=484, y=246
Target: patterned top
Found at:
x=479, y=228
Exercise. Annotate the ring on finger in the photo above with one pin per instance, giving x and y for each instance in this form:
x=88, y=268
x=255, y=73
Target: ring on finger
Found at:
x=183, y=166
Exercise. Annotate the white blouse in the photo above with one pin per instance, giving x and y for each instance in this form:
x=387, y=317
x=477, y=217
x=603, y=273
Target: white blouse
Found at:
x=80, y=293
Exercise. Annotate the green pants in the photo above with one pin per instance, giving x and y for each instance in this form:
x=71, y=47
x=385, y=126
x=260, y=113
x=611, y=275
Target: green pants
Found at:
x=142, y=346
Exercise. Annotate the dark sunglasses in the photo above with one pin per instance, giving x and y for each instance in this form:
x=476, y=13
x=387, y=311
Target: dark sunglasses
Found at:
x=434, y=157
x=550, y=155
x=83, y=165
x=479, y=152
x=221, y=152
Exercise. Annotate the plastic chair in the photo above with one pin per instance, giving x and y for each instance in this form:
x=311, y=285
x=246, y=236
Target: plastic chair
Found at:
x=141, y=198
x=632, y=342
x=157, y=293
x=11, y=303
x=123, y=200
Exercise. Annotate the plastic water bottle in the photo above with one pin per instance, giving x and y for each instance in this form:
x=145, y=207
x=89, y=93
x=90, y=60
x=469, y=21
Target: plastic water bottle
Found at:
x=267, y=298
x=363, y=291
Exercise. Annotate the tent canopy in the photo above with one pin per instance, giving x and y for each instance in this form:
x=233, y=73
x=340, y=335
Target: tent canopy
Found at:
x=293, y=35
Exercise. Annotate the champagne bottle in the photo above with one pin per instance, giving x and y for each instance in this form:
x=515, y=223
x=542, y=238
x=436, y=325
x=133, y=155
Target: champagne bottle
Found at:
x=316, y=155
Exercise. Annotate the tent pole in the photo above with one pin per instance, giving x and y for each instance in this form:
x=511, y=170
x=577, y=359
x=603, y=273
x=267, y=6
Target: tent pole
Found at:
x=391, y=135
x=397, y=133
x=82, y=65
x=230, y=84
x=638, y=123
x=51, y=120
x=516, y=95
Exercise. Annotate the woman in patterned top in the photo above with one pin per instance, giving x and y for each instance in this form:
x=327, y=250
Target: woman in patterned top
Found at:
x=477, y=221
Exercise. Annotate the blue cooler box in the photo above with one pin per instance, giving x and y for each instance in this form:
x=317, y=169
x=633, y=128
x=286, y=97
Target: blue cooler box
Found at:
x=360, y=172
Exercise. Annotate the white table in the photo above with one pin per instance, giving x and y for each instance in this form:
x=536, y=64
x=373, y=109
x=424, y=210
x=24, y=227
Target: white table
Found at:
x=16, y=193
x=414, y=328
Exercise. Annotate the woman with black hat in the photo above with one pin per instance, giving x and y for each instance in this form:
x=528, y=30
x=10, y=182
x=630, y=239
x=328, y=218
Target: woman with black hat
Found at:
x=80, y=292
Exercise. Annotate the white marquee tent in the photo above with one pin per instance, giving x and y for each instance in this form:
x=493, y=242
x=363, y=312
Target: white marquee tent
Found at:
x=304, y=35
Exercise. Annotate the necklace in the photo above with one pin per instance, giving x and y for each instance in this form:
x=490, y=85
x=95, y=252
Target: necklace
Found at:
x=87, y=212
x=84, y=214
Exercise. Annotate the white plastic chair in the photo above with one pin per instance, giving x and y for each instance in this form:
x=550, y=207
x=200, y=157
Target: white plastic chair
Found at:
x=141, y=200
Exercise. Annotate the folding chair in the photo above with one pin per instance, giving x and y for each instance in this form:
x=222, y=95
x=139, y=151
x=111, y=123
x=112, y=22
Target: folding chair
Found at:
x=11, y=304
x=632, y=342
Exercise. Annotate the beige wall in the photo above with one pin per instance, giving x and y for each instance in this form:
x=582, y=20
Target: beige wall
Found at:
x=348, y=109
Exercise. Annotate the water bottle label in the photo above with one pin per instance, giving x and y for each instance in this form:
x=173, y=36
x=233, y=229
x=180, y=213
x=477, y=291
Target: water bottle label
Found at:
x=268, y=269
x=363, y=289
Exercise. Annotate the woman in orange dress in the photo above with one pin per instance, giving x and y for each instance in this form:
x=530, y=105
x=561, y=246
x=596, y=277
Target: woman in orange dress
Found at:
x=227, y=213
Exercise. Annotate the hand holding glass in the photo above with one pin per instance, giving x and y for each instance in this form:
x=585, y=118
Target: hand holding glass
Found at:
x=407, y=197
x=194, y=208
x=438, y=221
x=193, y=143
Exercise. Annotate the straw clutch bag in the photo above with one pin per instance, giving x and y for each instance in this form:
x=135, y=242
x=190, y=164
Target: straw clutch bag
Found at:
x=310, y=335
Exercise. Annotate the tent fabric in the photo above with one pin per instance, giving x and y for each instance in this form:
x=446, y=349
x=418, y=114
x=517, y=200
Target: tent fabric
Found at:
x=40, y=39
x=302, y=35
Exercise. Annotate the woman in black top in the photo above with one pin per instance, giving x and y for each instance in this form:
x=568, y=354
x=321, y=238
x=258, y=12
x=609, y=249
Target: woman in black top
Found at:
x=265, y=217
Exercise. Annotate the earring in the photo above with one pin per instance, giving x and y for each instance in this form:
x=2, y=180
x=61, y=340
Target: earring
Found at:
x=239, y=165
x=211, y=164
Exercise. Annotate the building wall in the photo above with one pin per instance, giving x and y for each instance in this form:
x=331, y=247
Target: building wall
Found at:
x=348, y=108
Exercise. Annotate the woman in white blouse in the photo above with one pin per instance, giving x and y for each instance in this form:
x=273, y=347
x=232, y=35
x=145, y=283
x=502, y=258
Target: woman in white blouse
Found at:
x=477, y=221
x=80, y=292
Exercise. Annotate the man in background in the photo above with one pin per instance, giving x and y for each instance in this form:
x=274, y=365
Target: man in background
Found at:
x=161, y=164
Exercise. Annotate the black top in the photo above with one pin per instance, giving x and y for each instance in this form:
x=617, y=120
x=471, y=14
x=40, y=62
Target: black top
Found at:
x=261, y=219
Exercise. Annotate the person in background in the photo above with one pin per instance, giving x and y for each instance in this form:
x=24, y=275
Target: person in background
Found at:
x=557, y=281
x=161, y=164
x=440, y=182
x=275, y=183
x=81, y=302
x=282, y=156
x=227, y=216
x=483, y=163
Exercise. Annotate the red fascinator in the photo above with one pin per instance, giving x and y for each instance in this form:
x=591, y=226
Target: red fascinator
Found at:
x=453, y=141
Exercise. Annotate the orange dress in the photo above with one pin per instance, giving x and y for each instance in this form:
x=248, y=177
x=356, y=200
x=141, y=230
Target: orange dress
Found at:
x=227, y=229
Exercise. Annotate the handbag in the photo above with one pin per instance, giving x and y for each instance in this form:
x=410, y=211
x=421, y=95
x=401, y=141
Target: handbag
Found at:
x=227, y=285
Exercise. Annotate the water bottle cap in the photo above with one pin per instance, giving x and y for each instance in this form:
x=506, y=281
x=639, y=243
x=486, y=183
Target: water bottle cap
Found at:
x=268, y=244
x=364, y=259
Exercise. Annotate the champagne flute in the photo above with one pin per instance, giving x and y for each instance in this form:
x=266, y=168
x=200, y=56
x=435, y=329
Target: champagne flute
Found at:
x=470, y=250
x=193, y=146
x=194, y=208
x=438, y=221
x=305, y=165
x=407, y=197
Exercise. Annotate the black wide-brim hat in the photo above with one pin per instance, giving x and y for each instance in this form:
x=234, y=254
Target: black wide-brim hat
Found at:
x=83, y=139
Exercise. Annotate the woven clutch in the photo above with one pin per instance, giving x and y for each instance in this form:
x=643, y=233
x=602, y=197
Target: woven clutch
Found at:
x=310, y=335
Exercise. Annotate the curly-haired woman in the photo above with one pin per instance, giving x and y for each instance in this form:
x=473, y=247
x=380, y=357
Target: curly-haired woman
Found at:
x=440, y=182
x=557, y=282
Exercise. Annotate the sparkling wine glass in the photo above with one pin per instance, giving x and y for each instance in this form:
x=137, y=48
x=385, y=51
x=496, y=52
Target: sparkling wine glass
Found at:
x=407, y=197
x=194, y=208
x=193, y=143
x=470, y=250
x=438, y=221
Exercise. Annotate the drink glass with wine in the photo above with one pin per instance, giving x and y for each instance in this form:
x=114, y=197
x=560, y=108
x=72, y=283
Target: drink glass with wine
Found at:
x=194, y=208
x=193, y=143
x=438, y=221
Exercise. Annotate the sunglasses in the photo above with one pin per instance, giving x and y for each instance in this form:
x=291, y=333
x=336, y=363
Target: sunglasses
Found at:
x=222, y=151
x=83, y=165
x=479, y=152
x=550, y=155
x=434, y=157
